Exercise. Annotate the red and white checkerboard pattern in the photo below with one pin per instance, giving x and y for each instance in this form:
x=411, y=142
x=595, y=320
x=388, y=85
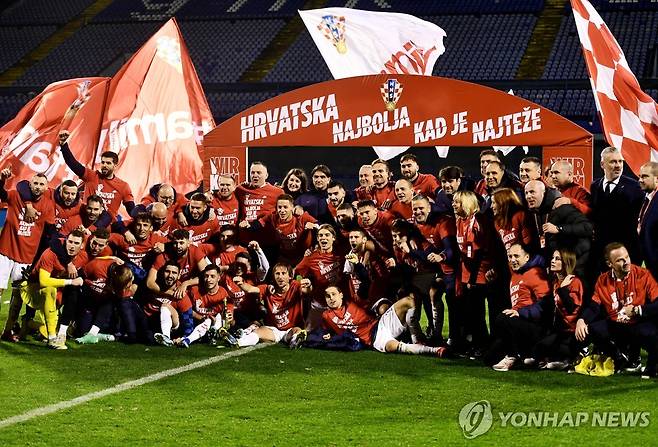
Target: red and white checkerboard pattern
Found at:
x=396, y=93
x=628, y=115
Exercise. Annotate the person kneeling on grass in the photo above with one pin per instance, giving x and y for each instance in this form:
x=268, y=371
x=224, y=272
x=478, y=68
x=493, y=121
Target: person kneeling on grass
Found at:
x=134, y=324
x=284, y=303
x=380, y=334
x=210, y=306
x=48, y=275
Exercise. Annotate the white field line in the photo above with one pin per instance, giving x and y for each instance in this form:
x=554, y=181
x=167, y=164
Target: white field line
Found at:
x=49, y=409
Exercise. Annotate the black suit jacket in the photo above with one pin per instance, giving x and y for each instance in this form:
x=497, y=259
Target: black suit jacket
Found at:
x=649, y=236
x=615, y=215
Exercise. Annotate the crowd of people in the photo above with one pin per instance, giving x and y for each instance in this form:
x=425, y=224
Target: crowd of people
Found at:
x=535, y=271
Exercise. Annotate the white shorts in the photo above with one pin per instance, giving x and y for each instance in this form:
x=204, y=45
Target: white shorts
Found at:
x=278, y=335
x=10, y=270
x=389, y=328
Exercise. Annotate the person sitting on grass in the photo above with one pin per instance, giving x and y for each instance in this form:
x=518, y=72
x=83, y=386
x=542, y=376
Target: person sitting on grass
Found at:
x=559, y=347
x=211, y=308
x=165, y=311
x=379, y=333
x=284, y=303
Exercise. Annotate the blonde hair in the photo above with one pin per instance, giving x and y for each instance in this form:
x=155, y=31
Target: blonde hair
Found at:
x=469, y=201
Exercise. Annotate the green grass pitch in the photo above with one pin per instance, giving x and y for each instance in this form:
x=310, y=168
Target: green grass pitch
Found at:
x=277, y=397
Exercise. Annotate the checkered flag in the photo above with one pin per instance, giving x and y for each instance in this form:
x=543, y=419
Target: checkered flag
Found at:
x=628, y=115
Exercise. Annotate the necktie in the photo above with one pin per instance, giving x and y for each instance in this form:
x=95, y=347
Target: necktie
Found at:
x=643, y=210
x=607, y=187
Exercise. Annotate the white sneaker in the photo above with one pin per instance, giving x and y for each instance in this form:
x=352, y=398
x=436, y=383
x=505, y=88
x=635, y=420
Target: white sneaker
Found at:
x=505, y=364
x=105, y=337
x=557, y=366
x=163, y=339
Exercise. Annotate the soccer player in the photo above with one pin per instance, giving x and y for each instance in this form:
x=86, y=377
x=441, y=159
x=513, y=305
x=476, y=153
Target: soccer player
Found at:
x=380, y=334
x=440, y=231
x=210, y=307
x=197, y=222
x=190, y=257
x=224, y=202
x=425, y=184
x=171, y=313
x=257, y=198
x=284, y=303
x=49, y=274
x=383, y=189
x=362, y=192
x=401, y=207
x=103, y=182
x=367, y=276
x=20, y=239
x=148, y=244
x=91, y=216
x=377, y=224
x=292, y=232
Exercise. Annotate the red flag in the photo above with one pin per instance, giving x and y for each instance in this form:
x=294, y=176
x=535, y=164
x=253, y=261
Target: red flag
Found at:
x=29, y=141
x=628, y=115
x=156, y=115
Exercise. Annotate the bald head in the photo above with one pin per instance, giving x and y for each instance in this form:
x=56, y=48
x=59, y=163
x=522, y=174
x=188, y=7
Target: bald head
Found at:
x=166, y=194
x=159, y=214
x=534, y=193
x=561, y=173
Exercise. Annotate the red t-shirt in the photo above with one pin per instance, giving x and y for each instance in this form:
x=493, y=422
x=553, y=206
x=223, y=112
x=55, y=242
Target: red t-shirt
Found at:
x=576, y=291
x=19, y=240
x=156, y=299
x=638, y=288
x=188, y=263
x=113, y=192
x=138, y=252
x=474, y=244
x=246, y=303
x=207, y=304
x=50, y=263
x=96, y=274
x=519, y=232
x=441, y=228
x=258, y=202
x=284, y=311
x=291, y=236
x=63, y=214
x=323, y=269
x=426, y=184
x=226, y=210
x=380, y=232
x=382, y=196
x=226, y=257
x=351, y=317
x=528, y=287
x=401, y=210
x=201, y=232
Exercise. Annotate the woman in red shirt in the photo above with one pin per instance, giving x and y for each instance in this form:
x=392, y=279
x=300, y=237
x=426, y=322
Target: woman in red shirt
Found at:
x=475, y=238
x=559, y=348
x=510, y=220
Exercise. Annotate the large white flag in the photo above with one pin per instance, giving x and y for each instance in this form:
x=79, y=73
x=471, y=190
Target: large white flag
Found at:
x=358, y=43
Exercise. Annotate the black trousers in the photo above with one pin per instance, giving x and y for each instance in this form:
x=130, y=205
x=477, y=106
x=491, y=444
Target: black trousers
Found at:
x=609, y=335
x=517, y=334
x=557, y=346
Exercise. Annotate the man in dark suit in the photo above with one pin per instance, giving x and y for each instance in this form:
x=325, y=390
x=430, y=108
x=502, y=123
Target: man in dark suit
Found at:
x=616, y=203
x=647, y=224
